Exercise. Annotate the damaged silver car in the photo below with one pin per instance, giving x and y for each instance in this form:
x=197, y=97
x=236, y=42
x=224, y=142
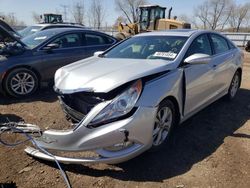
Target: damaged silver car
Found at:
x=127, y=99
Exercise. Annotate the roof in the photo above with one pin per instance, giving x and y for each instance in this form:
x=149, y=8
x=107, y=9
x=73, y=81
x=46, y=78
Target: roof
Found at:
x=171, y=32
x=64, y=29
x=58, y=24
x=68, y=29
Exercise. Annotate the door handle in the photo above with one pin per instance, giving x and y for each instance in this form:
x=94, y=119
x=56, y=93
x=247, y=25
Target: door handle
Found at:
x=214, y=66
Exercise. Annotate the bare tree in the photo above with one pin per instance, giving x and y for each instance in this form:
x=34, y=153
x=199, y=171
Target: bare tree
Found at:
x=36, y=17
x=78, y=12
x=65, y=12
x=240, y=14
x=214, y=14
x=201, y=12
x=183, y=18
x=129, y=7
x=12, y=20
x=96, y=14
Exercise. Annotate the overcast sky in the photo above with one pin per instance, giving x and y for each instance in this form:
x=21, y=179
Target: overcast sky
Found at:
x=23, y=8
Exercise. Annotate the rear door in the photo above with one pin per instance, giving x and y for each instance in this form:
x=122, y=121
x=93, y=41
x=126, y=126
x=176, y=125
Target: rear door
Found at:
x=199, y=78
x=223, y=63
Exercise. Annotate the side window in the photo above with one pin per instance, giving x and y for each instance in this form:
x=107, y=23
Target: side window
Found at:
x=108, y=40
x=93, y=39
x=200, y=45
x=68, y=41
x=231, y=45
x=219, y=43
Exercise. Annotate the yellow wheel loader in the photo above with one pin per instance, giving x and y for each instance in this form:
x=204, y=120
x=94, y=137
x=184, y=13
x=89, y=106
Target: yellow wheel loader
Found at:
x=151, y=18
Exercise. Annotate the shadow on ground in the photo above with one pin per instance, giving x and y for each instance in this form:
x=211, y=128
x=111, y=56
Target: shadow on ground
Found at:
x=8, y=185
x=5, y=118
x=192, y=142
x=45, y=95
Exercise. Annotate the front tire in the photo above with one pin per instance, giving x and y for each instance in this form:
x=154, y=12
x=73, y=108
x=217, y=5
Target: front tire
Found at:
x=21, y=82
x=165, y=121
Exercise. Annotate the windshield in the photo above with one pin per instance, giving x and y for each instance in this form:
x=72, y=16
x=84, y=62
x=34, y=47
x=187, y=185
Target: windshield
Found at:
x=35, y=39
x=29, y=30
x=148, y=47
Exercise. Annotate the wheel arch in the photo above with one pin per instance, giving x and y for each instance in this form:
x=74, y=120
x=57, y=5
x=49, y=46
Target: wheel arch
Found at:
x=240, y=71
x=176, y=105
x=22, y=66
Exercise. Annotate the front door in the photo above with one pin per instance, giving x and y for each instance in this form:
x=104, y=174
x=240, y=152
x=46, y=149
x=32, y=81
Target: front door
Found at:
x=199, y=78
x=70, y=50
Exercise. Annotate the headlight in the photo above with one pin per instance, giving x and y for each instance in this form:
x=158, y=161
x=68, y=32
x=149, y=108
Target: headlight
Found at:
x=121, y=105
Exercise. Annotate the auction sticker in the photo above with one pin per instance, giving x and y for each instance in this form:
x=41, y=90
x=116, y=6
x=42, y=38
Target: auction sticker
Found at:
x=170, y=55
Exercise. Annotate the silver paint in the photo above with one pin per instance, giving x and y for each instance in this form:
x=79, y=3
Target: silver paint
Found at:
x=193, y=86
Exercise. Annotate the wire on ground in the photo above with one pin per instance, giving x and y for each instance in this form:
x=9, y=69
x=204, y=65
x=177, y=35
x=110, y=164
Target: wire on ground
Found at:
x=27, y=130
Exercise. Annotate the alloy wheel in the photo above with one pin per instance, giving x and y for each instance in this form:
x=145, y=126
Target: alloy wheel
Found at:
x=22, y=83
x=162, y=125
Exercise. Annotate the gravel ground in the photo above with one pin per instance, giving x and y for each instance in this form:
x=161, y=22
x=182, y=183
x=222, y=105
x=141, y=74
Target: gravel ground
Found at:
x=212, y=149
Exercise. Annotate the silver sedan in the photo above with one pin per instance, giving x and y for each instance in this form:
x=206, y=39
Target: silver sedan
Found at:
x=129, y=98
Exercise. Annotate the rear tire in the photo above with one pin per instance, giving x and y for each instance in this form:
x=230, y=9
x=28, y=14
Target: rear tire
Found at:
x=234, y=86
x=21, y=82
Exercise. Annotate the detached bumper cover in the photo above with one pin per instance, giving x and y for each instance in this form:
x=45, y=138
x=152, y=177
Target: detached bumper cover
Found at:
x=139, y=128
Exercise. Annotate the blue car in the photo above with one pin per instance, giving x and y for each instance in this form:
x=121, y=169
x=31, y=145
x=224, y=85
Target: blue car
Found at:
x=29, y=63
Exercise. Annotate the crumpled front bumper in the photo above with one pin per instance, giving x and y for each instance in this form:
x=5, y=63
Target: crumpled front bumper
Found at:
x=136, y=130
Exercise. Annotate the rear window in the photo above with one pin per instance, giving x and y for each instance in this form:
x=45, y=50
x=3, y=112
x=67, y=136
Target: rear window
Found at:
x=29, y=30
x=92, y=39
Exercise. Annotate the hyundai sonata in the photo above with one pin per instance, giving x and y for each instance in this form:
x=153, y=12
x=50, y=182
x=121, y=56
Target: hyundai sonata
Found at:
x=127, y=99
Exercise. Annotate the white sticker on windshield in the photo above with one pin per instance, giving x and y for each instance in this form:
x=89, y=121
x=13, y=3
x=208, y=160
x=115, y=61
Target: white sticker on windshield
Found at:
x=34, y=30
x=41, y=38
x=170, y=55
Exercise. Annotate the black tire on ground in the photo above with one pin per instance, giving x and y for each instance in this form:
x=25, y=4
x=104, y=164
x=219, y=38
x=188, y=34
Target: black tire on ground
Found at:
x=247, y=48
x=21, y=82
x=234, y=86
x=165, y=104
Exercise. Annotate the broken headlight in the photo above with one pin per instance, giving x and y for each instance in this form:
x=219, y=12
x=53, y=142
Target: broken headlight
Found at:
x=120, y=106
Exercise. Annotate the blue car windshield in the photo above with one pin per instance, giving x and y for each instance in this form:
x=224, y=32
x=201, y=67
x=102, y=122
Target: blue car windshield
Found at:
x=148, y=47
x=36, y=39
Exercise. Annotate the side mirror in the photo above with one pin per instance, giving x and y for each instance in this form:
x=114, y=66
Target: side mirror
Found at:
x=51, y=46
x=98, y=53
x=198, y=59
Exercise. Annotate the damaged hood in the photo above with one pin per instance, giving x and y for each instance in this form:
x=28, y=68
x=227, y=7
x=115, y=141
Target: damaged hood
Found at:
x=97, y=74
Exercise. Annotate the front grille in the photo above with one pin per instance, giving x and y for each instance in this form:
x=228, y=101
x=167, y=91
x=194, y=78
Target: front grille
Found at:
x=77, y=106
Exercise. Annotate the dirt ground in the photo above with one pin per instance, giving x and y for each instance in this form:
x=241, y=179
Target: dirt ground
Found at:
x=212, y=149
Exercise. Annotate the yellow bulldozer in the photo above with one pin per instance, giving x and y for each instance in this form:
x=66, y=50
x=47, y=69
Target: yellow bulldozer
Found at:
x=151, y=18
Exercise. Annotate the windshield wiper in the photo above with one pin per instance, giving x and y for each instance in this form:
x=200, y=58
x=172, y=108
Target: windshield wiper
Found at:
x=101, y=55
